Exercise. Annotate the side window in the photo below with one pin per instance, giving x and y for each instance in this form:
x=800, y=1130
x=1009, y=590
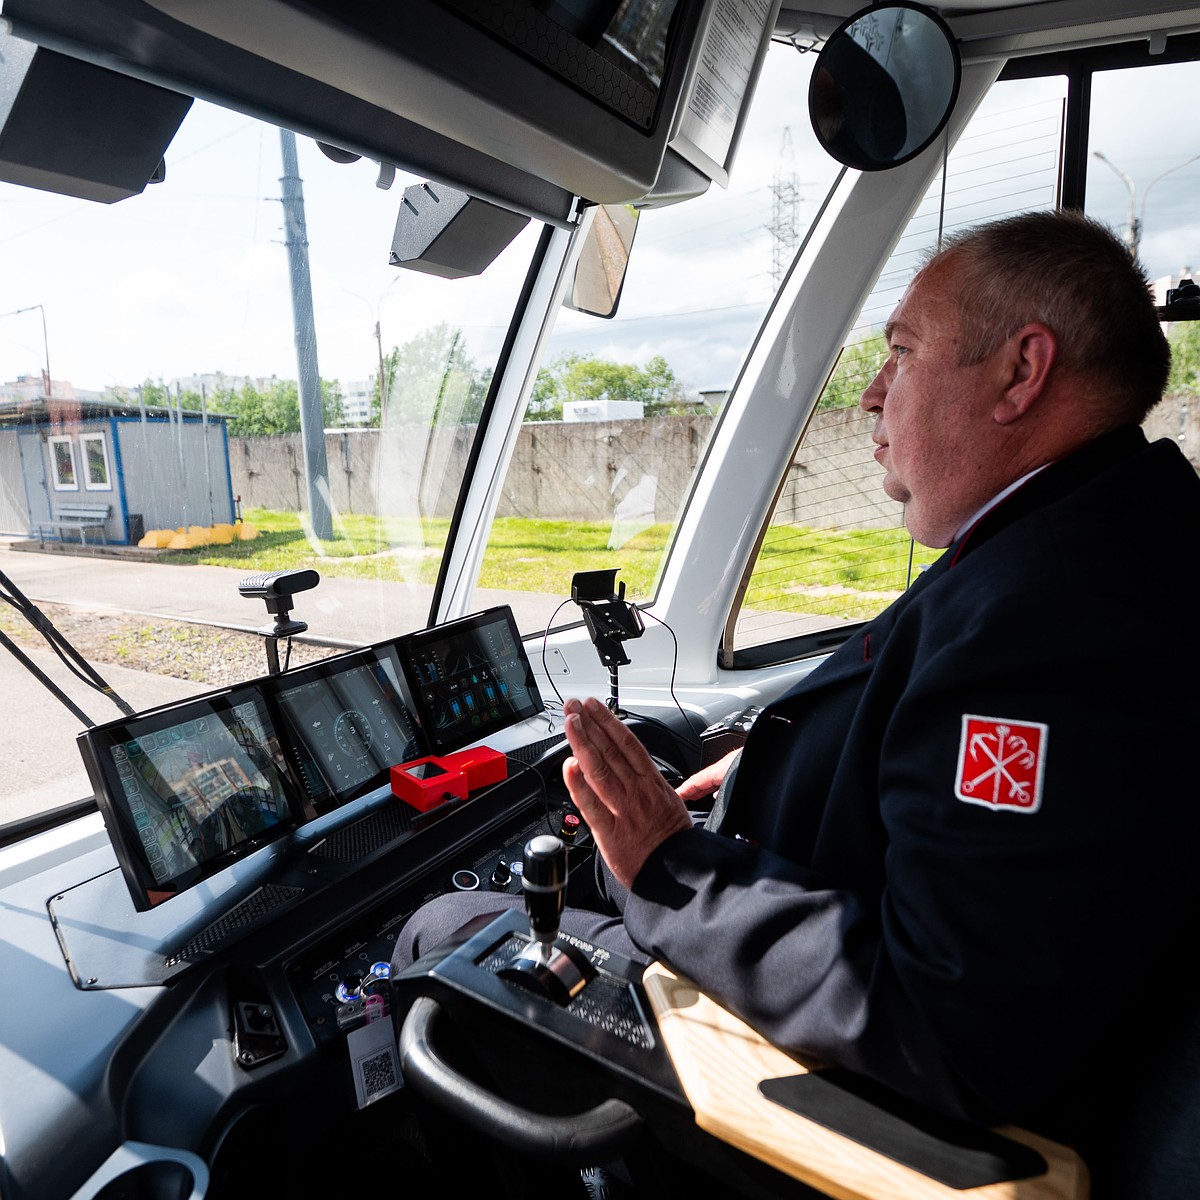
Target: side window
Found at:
x=62, y=464
x=1146, y=191
x=835, y=550
x=94, y=450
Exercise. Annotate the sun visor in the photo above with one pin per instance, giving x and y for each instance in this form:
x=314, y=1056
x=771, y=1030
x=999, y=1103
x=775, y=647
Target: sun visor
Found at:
x=80, y=130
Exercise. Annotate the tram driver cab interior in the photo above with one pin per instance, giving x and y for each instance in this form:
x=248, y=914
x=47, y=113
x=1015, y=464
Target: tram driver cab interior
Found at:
x=328, y=801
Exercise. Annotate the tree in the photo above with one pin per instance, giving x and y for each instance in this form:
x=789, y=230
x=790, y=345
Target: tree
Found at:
x=432, y=379
x=857, y=365
x=276, y=410
x=156, y=394
x=664, y=393
x=1185, y=358
x=582, y=377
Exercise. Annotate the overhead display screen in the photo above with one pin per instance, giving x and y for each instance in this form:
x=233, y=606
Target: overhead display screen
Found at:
x=348, y=724
x=617, y=53
x=468, y=679
x=188, y=790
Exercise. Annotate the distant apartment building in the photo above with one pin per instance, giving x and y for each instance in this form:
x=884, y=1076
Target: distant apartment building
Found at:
x=38, y=387
x=357, y=398
x=217, y=381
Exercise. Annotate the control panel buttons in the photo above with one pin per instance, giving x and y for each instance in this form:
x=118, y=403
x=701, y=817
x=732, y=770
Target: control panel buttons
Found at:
x=465, y=881
x=569, y=827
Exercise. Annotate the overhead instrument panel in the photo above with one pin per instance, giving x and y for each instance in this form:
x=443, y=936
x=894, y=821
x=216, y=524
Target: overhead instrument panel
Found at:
x=528, y=103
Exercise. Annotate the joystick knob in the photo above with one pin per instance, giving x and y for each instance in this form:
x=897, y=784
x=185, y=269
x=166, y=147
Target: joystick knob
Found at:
x=556, y=972
x=545, y=885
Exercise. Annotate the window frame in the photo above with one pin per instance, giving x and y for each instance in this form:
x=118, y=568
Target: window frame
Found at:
x=52, y=443
x=85, y=439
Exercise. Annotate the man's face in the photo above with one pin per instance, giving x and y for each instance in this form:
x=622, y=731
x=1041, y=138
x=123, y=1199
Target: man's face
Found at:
x=933, y=426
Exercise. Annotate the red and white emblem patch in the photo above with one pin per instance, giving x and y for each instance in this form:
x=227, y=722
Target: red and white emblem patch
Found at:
x=1000, y=763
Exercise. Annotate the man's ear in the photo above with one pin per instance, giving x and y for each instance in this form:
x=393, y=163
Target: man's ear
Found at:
x=1029, y=358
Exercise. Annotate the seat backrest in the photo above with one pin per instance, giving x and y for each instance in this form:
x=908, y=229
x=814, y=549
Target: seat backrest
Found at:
x=1149, y=1149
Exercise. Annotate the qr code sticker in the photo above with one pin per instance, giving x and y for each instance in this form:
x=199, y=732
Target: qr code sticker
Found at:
x=373, y=1057
x=379, y=1074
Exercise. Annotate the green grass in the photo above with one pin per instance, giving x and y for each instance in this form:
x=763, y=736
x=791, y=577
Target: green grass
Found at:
x=850, y=574
x=845, y=574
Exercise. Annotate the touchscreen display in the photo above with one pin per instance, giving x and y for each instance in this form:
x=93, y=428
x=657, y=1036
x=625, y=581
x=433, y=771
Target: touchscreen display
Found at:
x=348, y=724
x=469, y=678
x=187, y=790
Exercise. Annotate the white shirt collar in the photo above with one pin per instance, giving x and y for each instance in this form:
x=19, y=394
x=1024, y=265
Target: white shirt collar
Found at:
x=1012, y=487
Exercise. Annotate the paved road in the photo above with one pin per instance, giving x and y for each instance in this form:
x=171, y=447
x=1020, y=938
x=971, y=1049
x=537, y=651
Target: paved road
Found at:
x=37, y=726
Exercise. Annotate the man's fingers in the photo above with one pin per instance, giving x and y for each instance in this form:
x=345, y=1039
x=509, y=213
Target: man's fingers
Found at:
x=606, y=746
x=590, y=807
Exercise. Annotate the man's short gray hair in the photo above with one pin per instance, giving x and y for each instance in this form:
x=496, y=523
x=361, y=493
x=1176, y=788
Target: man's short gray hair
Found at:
x=1071, y=273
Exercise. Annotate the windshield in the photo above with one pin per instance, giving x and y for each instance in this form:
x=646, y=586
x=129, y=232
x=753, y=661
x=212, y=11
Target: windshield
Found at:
x=169, y=363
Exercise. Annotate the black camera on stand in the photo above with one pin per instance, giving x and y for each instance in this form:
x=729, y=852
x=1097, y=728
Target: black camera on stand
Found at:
x=610, y=620
x=276, y=588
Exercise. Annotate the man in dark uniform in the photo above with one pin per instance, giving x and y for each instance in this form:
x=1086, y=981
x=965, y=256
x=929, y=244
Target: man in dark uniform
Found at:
x=954, y=856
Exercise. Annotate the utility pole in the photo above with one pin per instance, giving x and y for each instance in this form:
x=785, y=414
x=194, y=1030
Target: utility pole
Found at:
x=383, y=388
x=1137, y=221
x=785, y=215
x=312, y=416
x=1133, y=227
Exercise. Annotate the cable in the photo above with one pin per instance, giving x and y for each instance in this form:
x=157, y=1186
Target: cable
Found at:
x=545, y=636
x=75, y=663
x=544, y=790
x=671, y=684
x=692, y=743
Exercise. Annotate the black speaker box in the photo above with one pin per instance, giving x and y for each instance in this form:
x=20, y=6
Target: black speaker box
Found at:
x=445, y=232
x=70, y=127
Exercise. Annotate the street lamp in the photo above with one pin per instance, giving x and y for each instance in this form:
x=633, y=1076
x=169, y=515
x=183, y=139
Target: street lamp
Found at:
x=383, y=388
x=1133, y=234
x=383, y=379
x=45, y=341
x=1133, y=230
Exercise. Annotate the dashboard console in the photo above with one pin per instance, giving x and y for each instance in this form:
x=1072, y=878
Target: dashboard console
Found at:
x=188, y=789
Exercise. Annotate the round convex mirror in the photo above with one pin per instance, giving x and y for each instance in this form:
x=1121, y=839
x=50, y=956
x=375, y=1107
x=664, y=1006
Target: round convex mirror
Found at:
x=884, y=85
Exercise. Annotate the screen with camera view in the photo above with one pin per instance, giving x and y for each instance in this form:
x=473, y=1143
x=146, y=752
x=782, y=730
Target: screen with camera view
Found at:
x=187, y=790
x=468, y=679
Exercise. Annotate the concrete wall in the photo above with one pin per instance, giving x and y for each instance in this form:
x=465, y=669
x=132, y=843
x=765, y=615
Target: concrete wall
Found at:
x=637, y=471
x=580, y=471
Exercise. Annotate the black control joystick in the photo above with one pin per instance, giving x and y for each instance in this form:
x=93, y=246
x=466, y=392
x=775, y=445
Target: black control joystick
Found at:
x=544, y=881
x=556, y=970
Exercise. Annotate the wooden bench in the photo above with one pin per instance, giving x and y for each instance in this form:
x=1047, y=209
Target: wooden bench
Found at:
x=78, y=517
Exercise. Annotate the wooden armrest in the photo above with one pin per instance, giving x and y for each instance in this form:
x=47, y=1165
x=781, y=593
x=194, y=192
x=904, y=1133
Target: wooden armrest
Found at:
x=720, y=1061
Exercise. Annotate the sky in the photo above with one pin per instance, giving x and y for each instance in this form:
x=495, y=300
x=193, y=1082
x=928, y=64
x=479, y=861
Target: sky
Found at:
x=191, y=276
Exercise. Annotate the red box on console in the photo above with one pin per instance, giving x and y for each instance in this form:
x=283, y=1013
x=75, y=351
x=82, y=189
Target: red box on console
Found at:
x=482, y=765
x=427, y=782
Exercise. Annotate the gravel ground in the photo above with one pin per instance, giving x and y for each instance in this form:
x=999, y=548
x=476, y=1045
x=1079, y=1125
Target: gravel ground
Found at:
x=204, y=654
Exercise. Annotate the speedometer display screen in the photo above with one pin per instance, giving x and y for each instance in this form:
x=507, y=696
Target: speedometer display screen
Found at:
x=348, y=725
